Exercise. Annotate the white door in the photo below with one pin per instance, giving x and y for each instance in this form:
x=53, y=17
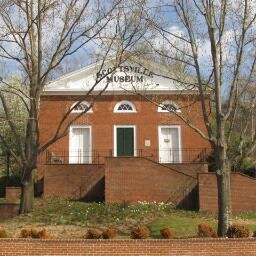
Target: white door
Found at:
x=169, y=144
x=80, y=145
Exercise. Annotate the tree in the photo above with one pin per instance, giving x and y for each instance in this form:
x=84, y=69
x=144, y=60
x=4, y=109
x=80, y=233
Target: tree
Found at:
x=18, y=115
x=214, y=44
x=38, y=36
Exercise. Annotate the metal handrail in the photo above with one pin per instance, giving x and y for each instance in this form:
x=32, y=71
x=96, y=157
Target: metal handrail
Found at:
x=185, y=155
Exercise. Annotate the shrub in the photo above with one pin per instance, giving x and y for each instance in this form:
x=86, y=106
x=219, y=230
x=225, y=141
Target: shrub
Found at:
x=109, y=233
x=3, y=233
x=43, y=234
x=254, y=234
x=140, y=233
x=238, y=231
x=205, y=230
x=167, y=233
x=93, y=233
x=25, y=233
x=34, y=233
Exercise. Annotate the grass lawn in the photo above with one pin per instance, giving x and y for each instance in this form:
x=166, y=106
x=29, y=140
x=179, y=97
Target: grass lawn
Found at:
x=184, y=224
x=70, y=219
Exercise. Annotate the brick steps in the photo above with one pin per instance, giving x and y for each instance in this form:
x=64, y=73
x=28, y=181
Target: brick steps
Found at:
x=140, y=179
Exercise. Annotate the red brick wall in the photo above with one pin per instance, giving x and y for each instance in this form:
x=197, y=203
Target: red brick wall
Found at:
x=147, y=120
x=12, y=194
x=179, y=247
x=243, y=190
x=139, y=179
x=74, y=181
x=8, y=210
x=191, y=169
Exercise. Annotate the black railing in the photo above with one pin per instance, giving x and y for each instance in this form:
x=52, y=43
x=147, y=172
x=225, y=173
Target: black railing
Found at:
x=77, y=157
x=187, y=155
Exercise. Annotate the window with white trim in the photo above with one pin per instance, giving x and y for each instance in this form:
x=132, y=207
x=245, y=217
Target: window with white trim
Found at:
x=124, y=107
x=168, y=106
x=81, y=107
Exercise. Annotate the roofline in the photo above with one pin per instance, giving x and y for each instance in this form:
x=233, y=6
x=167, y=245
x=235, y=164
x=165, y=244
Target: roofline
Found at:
x=121, y=92
x=80, y=70
x=93, y=64
x=51, y=91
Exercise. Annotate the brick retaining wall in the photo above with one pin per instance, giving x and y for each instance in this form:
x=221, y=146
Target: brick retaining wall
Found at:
x=12, y=194
x=178, y=247
x=78, y=181
x=8, y=210
x=129, y=179
x=189, y=168
x=243, y=192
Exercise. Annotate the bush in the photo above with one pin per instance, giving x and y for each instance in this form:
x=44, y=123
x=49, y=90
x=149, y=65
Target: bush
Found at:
x=3, y=233
x=205, y=230
x=93, y=233
x=167, y=233
x=140, y=233
x=109, y=233
x=34, y=233
x=43, y=234
x=254, y=234
x=238, y=231
x=25, y=233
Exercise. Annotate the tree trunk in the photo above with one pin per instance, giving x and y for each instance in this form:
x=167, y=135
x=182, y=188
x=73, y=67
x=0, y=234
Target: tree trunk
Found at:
x=27, y=194
x=224, y=193
x=31, y=150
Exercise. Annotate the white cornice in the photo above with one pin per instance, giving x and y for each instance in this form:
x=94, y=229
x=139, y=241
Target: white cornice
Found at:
x=122, y=92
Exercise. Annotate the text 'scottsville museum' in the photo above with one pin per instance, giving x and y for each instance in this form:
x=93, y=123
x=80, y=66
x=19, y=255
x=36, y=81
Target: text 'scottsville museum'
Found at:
x=125, y=148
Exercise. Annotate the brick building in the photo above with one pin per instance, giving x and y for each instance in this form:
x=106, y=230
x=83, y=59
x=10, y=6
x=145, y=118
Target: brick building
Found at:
x=119, y=124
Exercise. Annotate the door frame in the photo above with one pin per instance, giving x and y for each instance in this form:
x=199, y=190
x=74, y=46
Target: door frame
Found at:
x=134, y=137
x=90, y=139
x=179, y=134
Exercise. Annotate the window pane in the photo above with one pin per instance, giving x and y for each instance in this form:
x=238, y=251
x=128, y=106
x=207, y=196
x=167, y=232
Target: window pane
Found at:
x=81, y=107
x=125, y=107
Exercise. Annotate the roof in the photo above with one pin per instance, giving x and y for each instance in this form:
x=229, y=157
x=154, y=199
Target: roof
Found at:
x=133, y=75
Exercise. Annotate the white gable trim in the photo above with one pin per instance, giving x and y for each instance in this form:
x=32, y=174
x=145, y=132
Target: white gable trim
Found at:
x=121, y=92
x=129, y=77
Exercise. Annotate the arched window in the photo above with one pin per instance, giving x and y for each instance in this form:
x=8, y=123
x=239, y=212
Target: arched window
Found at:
x=81, y=107
x=124, y=107
x=168, y=106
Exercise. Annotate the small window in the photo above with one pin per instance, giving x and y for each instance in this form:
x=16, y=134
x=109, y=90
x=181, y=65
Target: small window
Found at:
x=124, y=107
x=168, y=106
x=81, y=107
